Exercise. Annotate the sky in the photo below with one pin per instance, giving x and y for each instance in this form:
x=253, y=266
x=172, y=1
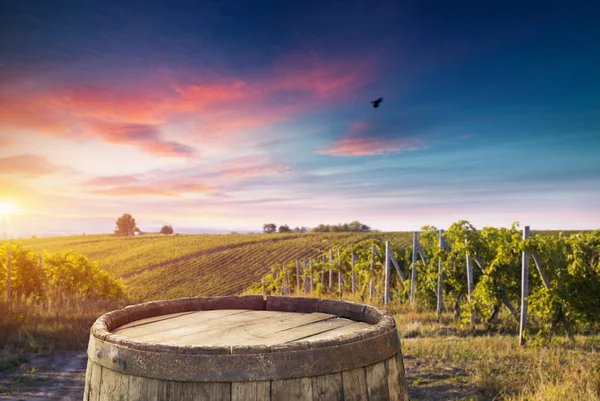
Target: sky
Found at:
x=223, y=115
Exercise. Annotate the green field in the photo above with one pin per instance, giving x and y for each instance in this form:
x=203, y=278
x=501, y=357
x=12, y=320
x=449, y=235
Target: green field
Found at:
x=166, y=267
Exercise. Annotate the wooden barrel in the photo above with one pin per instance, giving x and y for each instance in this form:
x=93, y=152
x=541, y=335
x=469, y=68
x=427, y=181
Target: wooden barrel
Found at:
x=245, y=348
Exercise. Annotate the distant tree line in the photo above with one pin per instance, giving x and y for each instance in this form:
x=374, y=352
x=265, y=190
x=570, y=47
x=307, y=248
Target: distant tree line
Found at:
x=355, y=226
x=126, y=226
x=271, y=228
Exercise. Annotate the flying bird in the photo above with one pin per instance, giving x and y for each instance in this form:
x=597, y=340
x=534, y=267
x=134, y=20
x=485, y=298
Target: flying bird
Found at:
x=377, y=102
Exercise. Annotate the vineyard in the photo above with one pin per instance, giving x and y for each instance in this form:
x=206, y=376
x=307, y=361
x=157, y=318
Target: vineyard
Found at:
x=165, y=267
x=454, y=331
x=473, y=273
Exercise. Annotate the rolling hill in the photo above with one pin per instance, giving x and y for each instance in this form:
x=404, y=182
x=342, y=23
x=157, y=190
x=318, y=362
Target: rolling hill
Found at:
x=164, y=267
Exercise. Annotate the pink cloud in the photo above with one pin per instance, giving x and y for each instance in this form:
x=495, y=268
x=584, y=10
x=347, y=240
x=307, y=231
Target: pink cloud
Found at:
x=5, y=142
x=27, y=165
x=145, y=137
x=133, y=190
x=114, y=180
x=256, y=171
x=133, y=114
x=167, y=188
x=360, y=140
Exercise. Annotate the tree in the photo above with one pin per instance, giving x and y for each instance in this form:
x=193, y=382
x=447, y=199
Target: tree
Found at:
x=269, y=228
x=285, y=229
x=166, y=230
x=126, y=225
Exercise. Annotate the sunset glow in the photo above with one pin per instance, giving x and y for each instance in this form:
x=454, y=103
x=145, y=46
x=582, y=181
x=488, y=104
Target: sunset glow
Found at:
x=210, y=117
x=7, y=208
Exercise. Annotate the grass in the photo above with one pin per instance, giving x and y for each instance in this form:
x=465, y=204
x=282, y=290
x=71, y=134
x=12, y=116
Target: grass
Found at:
x=32, y=328
x=490, y=366
x=497, y=368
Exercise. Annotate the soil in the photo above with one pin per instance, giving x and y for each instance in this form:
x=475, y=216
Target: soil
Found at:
x=58, y=376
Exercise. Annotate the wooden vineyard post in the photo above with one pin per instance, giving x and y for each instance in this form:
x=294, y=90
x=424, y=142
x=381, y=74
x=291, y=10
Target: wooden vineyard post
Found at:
x=371, y=281
x=304, y=281
x=339, y=263
x=440, y=301
x=287, y=281
x=524, y=290
x=8, y=279
x=304, y=276
x=413, y=280
x=353, y=274
x=470, y=287
x=330, y=270
x=386, y=291
x=312, y=276
x=297, y=276
x=262, y=282
x=323, y=274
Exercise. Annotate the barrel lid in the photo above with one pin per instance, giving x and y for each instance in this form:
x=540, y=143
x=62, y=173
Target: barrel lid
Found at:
x=242, y=338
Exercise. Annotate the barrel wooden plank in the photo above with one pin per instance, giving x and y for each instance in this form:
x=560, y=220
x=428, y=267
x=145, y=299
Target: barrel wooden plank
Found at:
x=355, y=385
x=176, y=322
x=328, y=387
x=377, y=382
x=153, y=319
x=301, y=332
x=292, y=389
x=251, y=391
x=253, y=332
x=212, y=391
x=397, y=385
x=113, y=386
x=165, y=391
x=95, y=381
x=88, y=379
x=209, y=333
x=197, y=324
x=142, y=389
x=349, y=328
x=178, y=391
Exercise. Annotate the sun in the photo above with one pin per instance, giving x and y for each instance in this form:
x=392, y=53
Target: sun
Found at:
x=7, y=208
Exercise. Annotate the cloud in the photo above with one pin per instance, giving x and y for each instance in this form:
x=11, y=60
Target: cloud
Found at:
x=114, y=180
x=133, y=190
x=256, y=171
x=362, y=140
x=5, y=142
x=132, y=110
x=166, y=188
x=28, y=165
x=145, y=137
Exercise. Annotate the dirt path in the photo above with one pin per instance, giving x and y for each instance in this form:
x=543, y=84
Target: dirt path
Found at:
x=59, y=376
